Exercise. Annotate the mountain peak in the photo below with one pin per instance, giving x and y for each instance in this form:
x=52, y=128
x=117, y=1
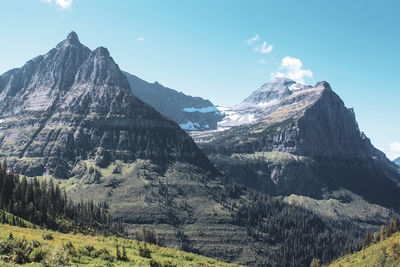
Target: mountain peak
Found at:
x=281, y=80
x=73, y=37
x=276, y=89
x=102, y=51
x=323, y=84
x=72, y=40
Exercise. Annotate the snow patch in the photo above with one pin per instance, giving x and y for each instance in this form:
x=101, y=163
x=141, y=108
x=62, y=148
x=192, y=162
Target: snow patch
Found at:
x=267, y=104
x=234, y=118
x=190, y=126
x=295, y=86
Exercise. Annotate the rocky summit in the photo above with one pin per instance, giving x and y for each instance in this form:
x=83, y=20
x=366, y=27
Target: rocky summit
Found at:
x=74, y=105
x=305, y=142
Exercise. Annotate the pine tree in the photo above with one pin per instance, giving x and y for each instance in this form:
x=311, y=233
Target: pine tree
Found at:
x=396, y=223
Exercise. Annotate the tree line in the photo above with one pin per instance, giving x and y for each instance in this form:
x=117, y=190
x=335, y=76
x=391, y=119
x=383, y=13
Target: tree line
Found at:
x=295, y=235
x=45, y=204
x=386, y=231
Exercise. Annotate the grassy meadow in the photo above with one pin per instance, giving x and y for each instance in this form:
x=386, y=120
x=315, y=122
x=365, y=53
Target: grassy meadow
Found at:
x=57, y=249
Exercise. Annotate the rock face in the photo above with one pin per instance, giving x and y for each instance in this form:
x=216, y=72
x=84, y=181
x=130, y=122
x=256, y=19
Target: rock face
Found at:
x=74, y=104
x=397, y=161
x=191, y=113
x=307, y=143
x=70, y=115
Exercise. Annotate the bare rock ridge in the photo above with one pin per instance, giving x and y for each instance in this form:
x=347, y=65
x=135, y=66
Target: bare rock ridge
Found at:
x=306, y=142
x=74, y=104
x=191, y=113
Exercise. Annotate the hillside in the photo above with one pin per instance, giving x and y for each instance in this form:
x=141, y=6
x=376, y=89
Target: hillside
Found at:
x=55, y=249
x=191, y=113
x=306, y=143
x=383, y=253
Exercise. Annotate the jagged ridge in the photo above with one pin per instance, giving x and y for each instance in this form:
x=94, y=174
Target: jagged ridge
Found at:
x=309, y=144
x=75, y=104
x=191, y=113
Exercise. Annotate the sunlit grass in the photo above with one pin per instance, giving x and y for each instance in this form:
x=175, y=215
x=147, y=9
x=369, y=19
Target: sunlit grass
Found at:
x=163, y=256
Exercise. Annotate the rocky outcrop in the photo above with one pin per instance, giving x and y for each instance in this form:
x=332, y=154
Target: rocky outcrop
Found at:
x=74, y=104
x=308, y=143
x=191, y=113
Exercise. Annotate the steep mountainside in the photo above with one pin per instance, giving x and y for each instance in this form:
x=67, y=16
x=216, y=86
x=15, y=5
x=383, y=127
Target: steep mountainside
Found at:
x=70, y=115
x=308, y=143
x=397, y=161
x=73, y=105
x=191, y=113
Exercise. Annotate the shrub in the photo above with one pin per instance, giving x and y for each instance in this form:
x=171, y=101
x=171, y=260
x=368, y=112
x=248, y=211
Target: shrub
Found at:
x=104, y=254
x=120, y=257
x=315, y=263
x=124, y=257
x=16, y=251
x=38, y=255
x=144, y=252
x=47, y=236
x=20, y=256
x=70, y=248
x=154, y=263
x=58, y=257
x=87, y=250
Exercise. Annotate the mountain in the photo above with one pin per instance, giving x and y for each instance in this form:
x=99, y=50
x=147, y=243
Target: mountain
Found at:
x=70, y=116
x=305, y=142
x=74, y=105
x=397, y=161
x=259, y=104
x=191, y=113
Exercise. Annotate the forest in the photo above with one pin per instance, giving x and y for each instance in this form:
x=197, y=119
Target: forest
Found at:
x=45, y=204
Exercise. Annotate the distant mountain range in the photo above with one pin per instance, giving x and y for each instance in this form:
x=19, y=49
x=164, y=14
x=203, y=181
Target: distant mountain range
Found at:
x=191, y=113
x=71, y=116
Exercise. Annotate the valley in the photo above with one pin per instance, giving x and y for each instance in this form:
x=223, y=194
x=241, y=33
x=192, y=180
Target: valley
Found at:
x=280, y=179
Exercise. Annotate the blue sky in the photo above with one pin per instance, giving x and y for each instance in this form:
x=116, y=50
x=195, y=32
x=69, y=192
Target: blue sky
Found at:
x=225, y=49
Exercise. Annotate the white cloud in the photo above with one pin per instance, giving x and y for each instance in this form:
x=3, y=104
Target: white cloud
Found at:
x=395, y=156
x=64, y=4
x=140, y=38
x=292, y=69
x=262, y=61
x=264, y=48
x=252, y=40
x=395, y=146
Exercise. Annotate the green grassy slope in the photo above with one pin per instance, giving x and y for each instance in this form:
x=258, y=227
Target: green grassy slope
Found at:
x=102, y=254
x=383, y=253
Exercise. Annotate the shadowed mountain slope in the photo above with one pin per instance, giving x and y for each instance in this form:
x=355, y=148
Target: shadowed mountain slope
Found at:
x=306, y=143
x=191, y=113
